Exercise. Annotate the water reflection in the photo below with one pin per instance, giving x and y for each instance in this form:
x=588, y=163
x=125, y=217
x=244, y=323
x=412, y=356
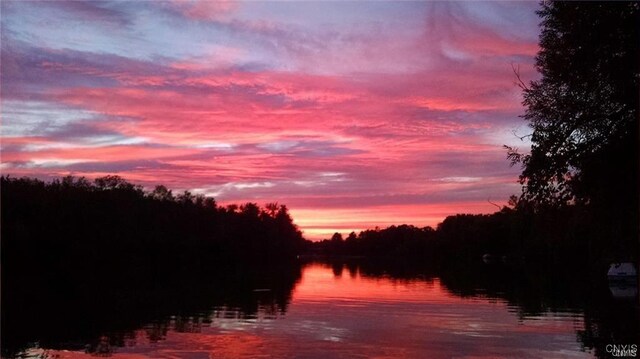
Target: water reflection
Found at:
x=59, y=315
x=338, y=309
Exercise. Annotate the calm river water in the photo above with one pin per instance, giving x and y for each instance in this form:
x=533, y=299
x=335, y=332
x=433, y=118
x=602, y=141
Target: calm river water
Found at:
x=354, y=311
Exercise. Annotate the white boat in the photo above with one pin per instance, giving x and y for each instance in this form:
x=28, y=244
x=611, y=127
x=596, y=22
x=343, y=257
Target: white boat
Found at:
x=622, y=271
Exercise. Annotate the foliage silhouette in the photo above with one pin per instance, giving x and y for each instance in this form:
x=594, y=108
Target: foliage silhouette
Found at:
x=585, y=106
x=583, y=113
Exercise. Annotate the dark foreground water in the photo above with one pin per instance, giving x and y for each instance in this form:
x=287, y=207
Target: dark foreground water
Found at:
x=338, y=310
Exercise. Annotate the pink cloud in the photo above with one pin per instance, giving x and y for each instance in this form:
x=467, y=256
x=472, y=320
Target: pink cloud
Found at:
x=106, y=154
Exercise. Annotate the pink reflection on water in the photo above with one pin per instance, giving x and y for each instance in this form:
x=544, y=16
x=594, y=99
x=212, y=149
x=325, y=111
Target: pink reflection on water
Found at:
x=343, y=314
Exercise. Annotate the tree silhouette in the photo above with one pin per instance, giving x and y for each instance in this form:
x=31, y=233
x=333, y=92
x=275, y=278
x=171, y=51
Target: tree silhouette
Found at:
x=161, y=193
x=584, y=109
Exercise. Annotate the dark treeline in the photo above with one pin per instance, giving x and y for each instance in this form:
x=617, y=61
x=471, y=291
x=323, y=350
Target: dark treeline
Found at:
x=403, y=241
x=560, y=236
x=75, y=221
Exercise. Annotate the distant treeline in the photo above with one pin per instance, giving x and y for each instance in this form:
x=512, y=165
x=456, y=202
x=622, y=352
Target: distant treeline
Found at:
x=516, y=233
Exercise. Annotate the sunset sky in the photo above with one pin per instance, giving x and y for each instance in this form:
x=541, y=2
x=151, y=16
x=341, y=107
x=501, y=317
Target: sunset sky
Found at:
x=353, y=114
